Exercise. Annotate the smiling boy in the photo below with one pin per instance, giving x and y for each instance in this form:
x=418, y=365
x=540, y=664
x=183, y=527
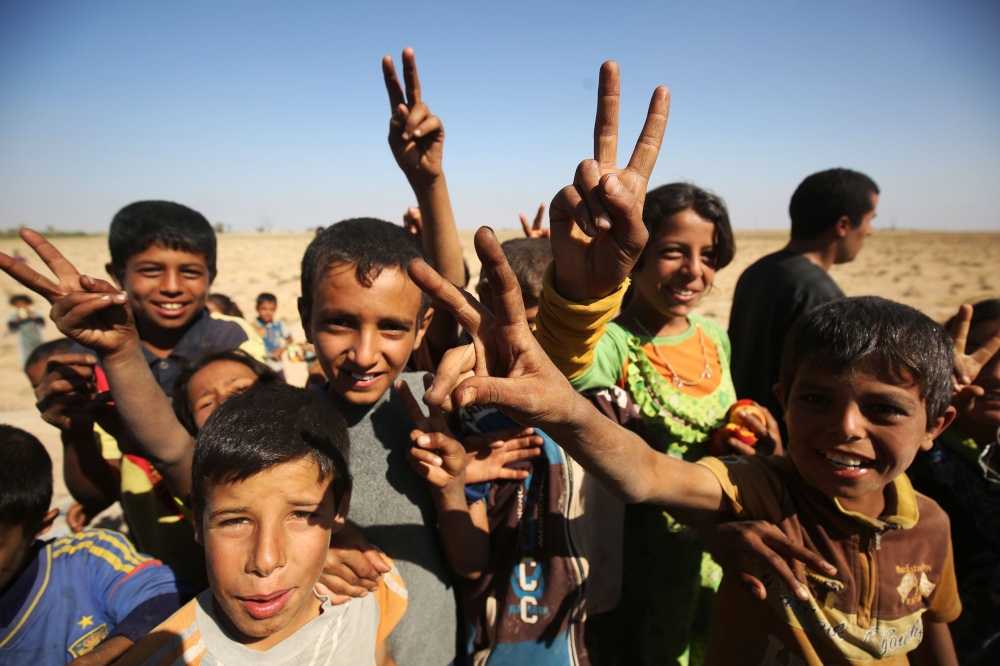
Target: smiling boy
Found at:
x=271, y=485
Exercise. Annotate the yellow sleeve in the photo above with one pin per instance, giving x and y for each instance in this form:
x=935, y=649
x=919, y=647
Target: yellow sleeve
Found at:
x=750, y=484
x=108, y=444
x=568, y=331
x=947, y=605
x=392, y=600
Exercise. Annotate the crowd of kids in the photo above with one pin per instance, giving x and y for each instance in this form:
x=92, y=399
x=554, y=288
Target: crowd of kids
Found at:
x=573, y=468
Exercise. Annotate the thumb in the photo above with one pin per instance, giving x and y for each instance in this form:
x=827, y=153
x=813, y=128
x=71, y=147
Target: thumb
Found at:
x=626, y=212
x=494, y=391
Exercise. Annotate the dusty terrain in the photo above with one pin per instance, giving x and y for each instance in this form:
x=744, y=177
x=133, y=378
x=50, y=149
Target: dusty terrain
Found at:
x=934, y=272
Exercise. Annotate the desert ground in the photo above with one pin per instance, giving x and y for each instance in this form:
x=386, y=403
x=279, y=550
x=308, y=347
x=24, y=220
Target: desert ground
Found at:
x=932, y=271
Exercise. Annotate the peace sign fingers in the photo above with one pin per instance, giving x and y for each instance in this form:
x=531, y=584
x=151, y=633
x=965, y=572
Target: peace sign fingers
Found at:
x=411, y=77
x=647, y=147
x=69, y=278
x=606, y=123
x=392, y=85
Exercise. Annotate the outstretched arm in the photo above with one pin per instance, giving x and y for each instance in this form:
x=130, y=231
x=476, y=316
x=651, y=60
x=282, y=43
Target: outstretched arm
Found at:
x=416, y=138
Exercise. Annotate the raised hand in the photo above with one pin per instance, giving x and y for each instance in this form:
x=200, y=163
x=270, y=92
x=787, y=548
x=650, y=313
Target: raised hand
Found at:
x=415, y=136
x=413, y=220
x=535, y=230
x=88, y=310
x=596, y=223
x=968, y=366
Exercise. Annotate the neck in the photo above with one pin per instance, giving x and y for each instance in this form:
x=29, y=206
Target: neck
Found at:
x=819, y=251
x=982, y=433
x=871, y=505
x=159, y=341
x=640, y=314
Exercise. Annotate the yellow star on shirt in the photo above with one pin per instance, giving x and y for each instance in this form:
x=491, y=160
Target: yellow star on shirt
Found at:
x=86, y=621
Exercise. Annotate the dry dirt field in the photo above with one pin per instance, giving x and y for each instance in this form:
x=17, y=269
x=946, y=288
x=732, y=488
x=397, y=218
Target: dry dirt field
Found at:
x=932, y=271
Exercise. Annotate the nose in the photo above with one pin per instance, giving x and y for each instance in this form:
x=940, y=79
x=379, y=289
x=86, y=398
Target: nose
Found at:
x=268, y=552
x=366, y=350
x=694, y=266
x=847, y=423
x=171, y=282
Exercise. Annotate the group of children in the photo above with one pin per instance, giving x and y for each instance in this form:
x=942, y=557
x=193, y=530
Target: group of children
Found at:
x=561, y=490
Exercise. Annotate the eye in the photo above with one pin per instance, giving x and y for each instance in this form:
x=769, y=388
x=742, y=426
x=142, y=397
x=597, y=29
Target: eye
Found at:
x=888, y=410
x=303, y=515
x=672, y=253
x=339, y=322
x=812, y=399
x=192, y=273
x=234, y=522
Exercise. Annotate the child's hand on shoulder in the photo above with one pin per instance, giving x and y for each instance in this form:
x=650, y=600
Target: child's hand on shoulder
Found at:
x=88, y=310
x=416, y=137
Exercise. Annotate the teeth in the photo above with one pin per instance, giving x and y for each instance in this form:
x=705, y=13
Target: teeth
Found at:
x=683, y=292
x=172, y=306
x=842, y=460
x=362, y=378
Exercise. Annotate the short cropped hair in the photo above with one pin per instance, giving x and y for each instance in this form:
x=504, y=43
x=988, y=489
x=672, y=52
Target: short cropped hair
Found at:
x=25, y=479
x=372, y=245
x=139, y=226
x=266, y=426
x=266, y=298
x=667, y=200
x=892, y=340
x=823, y=198
x=21, y=297
x=182, y=406
x=528, y=258
x=47, y=350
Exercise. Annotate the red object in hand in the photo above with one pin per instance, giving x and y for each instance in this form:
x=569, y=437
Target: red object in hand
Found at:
x=747, y=407
x=735, y=428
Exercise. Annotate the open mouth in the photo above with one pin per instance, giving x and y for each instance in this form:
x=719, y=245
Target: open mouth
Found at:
x=264, y=606
x=361, y=380
x=170, y=310
x=846, y=464
x=685, y=295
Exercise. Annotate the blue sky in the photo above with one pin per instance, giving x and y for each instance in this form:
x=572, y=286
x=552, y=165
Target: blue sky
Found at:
x=274, y=114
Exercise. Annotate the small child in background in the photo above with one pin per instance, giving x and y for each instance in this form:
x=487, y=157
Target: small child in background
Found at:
x=276, y=337
x=88, y=593
x=271, y=485
x=26, y=324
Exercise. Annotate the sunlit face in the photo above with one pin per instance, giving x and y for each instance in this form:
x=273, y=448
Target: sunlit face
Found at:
x=853, y=434
x=266, y=310
x=266, y=540
x=855, y=239
x=214, y=384
x=364, y=335
x=166, y=288
x=678, y=264
x=986, y=409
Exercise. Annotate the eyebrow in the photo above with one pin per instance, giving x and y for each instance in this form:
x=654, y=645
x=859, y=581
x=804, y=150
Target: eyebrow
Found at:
x=228, y=512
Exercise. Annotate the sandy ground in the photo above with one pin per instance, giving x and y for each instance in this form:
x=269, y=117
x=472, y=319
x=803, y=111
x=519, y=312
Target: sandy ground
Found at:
x=934, y=272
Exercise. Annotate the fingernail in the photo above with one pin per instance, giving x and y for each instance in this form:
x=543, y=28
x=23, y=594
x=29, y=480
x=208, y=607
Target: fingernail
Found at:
x=120, y=298
x=828, y=567
x=468, y=397
x=105, y=297
x=406, y=136
x=423, y=440
x=91, y=359
x=437, y=462
x=802, y=592
x=416, y=132
x=612, y=184
x=603, y=222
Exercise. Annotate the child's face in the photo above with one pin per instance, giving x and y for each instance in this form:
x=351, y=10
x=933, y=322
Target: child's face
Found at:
x=166, y=288
x=213, y=385
x=20, y=303
x=678, y=265
x=853, y=434
x=266, y=540
x=266, y=310
x=364, y=335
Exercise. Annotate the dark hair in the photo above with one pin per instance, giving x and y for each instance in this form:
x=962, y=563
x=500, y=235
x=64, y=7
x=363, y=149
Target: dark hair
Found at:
x=226, y=305
x=667, y=200
x=46, y=350
x=988, y=310
x=528, y=258
x=266, y=426
x=372, y=245
x=139, y=226
x=823, y=198
x=21, y=297
x=266, y=298
x=895, y=341
x=182, y=406
x=25, y=479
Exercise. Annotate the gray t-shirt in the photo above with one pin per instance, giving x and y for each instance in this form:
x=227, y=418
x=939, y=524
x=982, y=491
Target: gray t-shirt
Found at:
x=392, y=505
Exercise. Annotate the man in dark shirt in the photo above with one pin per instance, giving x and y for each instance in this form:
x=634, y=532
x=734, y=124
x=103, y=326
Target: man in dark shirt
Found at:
x=831, y=213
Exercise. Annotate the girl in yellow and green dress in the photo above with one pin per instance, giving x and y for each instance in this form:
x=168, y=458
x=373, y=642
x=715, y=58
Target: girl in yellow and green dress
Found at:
x=674, y=365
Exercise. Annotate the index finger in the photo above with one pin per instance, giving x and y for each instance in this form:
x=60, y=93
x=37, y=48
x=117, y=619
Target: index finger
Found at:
x=792, y=550
x=392, y=85
x=412, y=408
x=508, y=306
x=411, y=77
x=982, y=355
x=469, y=312
x=524, y=224
x=647, y=148
x=606, y=123
x=50, y=255
x=959, y=329
x=539, y=217
x=30, y=278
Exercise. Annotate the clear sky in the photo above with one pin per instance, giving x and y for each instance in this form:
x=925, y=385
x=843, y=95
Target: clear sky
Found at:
x=274, y=114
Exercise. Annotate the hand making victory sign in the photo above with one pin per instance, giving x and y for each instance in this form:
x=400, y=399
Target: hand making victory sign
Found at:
x=416, y=137
x=88, y=310
x=968, y=366
x=596, y=223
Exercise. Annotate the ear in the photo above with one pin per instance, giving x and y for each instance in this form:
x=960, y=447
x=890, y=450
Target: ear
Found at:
x=422, y=331
x=306, y=317
x=842, y=227
x=780, y=394
x=938, y=427
x=342, y=508
x=113, y=274
x=47, y=521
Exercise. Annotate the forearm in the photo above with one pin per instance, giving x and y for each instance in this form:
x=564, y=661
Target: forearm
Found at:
x=466, y=543
x=440, y=233
x=90, y=478
x=936, y=648
x=146, y=412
